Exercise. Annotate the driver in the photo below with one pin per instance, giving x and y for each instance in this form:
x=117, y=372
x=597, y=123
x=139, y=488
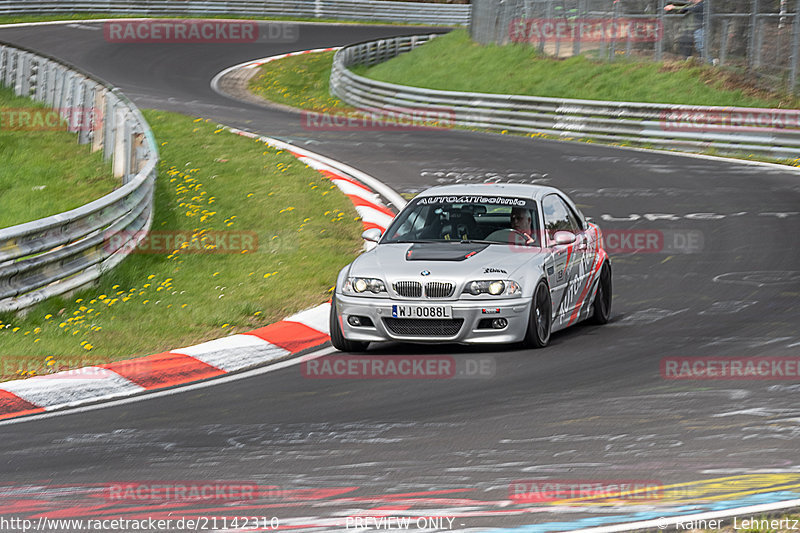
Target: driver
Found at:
x=521, y=223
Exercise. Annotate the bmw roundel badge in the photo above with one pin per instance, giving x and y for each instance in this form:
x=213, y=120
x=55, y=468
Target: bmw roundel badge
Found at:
x=426, y=272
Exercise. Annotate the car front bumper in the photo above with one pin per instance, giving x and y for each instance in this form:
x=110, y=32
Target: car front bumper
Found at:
x=516, y=311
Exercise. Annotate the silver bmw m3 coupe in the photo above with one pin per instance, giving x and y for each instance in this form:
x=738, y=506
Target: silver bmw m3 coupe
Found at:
x=499, y=263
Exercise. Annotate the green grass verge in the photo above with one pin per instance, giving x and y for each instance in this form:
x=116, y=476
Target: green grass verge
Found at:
x=44, y=171
x=299, y=81
x=453, y=62
x=209, y=180
x=303, y=82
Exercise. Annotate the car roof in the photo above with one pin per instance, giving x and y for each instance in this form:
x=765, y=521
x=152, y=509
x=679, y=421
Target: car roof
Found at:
x=520, y=190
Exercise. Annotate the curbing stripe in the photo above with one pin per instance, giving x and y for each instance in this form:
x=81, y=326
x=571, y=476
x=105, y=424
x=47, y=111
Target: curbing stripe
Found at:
x=358, y=201
x=316, y=317
x=292, y=336
x=236, y=352
x=12, y=405
x=71, y=387
x=163, y=370
x=370, y=215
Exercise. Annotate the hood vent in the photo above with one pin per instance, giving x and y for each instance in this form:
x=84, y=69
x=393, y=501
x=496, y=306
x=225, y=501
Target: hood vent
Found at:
x=443, y=251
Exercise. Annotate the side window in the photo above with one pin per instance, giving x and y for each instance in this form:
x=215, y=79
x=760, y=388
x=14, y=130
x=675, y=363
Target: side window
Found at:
x=414, y=223
x=558, y=216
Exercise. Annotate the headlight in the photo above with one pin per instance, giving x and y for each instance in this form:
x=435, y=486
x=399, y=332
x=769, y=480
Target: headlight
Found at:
x=493, y=287
x=362, y=285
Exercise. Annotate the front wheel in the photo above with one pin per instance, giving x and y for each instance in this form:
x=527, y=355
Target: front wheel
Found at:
x=337, y=338
x=541, y=318
x=601, y=307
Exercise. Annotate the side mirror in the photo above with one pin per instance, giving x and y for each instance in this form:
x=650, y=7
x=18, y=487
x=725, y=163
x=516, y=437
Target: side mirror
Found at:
x=564, y=237
x=372, y=235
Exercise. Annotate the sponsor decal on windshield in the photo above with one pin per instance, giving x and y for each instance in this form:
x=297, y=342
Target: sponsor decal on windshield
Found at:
x=494, y=200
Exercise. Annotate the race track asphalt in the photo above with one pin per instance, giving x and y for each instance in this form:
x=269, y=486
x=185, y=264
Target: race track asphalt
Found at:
x=592, y=406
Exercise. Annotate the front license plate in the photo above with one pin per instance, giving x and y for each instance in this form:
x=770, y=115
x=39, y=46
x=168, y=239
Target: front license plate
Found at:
x=422, y=311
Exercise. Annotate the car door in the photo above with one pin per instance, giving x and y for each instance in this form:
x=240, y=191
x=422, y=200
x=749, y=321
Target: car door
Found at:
x=568, y=266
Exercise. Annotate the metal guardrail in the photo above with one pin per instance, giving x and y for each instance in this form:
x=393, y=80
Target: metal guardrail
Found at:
x=771, y=132
x=63, y=252
x=374, y=10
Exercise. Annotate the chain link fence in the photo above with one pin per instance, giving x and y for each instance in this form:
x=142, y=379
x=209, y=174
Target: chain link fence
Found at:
x=761, y=36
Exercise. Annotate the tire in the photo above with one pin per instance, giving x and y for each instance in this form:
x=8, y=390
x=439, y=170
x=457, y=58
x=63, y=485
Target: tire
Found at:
x=337, y=338
x=601, y=307
x=540, y=320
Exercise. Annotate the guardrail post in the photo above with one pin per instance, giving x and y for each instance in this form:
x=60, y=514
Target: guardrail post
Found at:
x=98, y=119
x=55, y=86
x=109, y=125
x=76, y=97
x=63, y=93
x=41, y=80
x=795, y=48
x=11, y=57
x=21, y=74
x=137, y=152
x=118, y=164
x=127, y=134
x=85, y=114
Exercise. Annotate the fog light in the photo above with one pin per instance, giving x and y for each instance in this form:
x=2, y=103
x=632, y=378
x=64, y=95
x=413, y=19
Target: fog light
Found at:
x=354, y=321
x=499, y=323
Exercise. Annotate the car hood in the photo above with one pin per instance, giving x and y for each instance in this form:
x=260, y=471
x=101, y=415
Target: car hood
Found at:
x=444, y=261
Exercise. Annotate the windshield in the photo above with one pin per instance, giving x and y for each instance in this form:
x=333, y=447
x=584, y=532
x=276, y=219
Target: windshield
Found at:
x=492, y=219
